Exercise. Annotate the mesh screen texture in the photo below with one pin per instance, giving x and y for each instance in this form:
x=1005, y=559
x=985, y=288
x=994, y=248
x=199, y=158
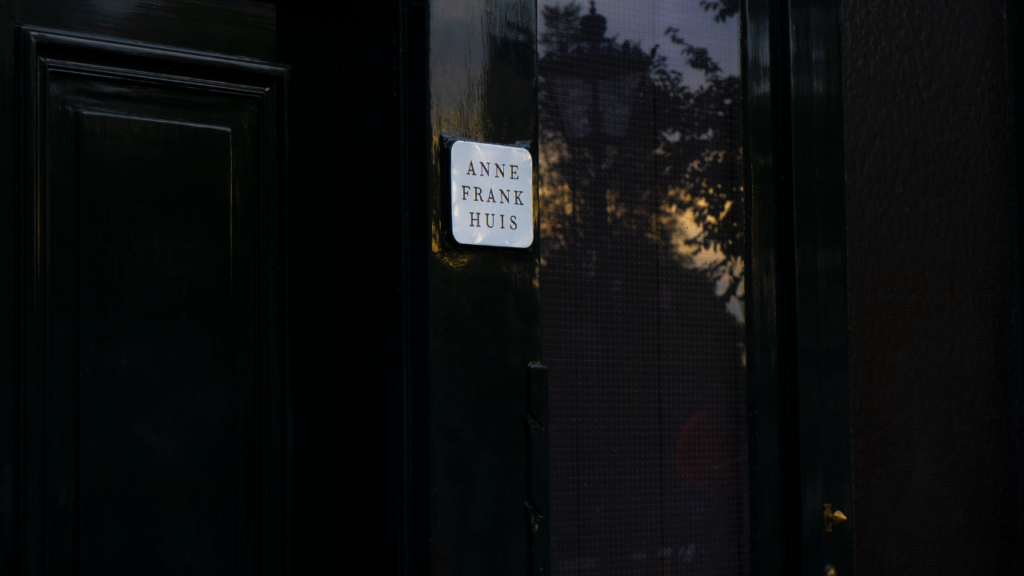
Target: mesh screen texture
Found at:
x=642, y=286
x=931, y=295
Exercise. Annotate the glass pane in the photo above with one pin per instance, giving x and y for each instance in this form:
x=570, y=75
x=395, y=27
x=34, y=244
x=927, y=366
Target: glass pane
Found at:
x=642, y=285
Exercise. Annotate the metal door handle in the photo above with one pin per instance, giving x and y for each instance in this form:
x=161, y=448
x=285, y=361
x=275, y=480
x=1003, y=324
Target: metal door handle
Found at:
x=833, y=518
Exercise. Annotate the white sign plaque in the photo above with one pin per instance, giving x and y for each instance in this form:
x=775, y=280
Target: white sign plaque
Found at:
x=492, y=195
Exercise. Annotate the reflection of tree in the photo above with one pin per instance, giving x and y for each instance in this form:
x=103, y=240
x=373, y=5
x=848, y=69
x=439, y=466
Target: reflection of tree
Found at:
x=642, y=242
x=723, y=10
x=691, y=156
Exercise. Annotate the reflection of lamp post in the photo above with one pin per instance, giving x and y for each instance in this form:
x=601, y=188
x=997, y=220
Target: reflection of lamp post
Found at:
x=594, y=82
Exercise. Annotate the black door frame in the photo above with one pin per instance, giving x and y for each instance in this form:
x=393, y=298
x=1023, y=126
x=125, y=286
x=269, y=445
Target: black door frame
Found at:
x=798, y=387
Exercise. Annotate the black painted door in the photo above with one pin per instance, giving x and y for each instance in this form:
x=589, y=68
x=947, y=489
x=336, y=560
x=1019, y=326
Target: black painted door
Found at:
x=934, y=318
x=904, y=336
x=144, y=146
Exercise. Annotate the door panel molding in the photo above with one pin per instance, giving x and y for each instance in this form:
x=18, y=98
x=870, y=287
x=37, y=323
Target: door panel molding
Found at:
x=92, y=79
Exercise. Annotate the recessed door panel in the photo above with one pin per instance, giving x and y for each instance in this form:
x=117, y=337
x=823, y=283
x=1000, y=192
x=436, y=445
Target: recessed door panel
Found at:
x=166, y=387
x=152, y=412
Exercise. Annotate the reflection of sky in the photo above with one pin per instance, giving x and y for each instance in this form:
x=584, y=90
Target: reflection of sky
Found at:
x=646, y=20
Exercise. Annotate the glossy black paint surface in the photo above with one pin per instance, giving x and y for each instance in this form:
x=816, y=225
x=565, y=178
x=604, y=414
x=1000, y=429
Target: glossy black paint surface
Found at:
x=538, y=495
x=774, y=427
x=343, y=346
x=482, y=327
x=819, y=208
x=336, y=400
x=149, y=421
x=244, y=29
x=342, y=289
x=480, y=79
x=1015, y=52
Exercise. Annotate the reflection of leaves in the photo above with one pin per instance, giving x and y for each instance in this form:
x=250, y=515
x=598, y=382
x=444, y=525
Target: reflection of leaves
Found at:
x=724, y=9
x=557, y=198
x=692, y=156
x=696, y=57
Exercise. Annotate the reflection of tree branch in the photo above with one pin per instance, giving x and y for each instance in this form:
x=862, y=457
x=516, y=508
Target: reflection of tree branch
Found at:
x=724, y=9
x=693, y=157
x=697, y=58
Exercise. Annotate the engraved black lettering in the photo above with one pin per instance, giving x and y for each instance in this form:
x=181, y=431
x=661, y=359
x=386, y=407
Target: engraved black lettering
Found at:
x=477, y=194
x=512, y=222
x=485, y=169
x=470, y=172
x=512, y=171
x=474, y=219
x=504, y=196
x=490, y=196
x=502, y=221
x=499, y=169
x=465, y=192
x=489, y=219
x=519, y=201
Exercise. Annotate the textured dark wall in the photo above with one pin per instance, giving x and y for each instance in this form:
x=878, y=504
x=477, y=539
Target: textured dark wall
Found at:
x=930, y=232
